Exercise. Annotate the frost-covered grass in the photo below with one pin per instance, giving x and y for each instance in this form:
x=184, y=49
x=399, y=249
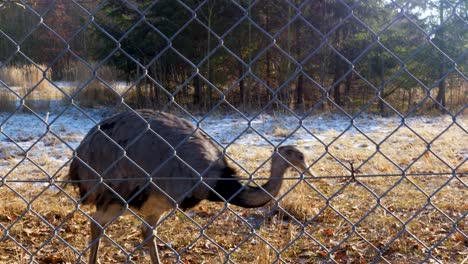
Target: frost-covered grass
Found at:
x=405, y=200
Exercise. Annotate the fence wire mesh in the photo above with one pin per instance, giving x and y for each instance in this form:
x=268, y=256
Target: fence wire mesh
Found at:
x=372, y=92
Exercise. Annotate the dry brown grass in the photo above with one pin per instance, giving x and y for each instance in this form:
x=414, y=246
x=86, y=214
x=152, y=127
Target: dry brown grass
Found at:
x=93, y=92
x=26, y=76
x=96, y=94
x=30, y=82
x=389, y=213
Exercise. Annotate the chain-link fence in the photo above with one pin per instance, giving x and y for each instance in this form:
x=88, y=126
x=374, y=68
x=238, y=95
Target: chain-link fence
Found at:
x=343, y=121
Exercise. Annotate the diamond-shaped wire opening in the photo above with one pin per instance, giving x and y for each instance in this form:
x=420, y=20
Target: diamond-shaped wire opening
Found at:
x=146, y=92
x=428, y=65
x=283, y=129
x=168, y=17
x=61, y=17
x=355, y=249
x=307, y=193
x=50, y=153
x=448, y=197
x=302, y=95
x=377, y=165
x=9, y=45
x=216, y=69
x=207, y=97
x=428, y=164
x=430, y=226
x=325, y=16
x=253, y=160
x=24, y=138
x=404, y=199
x=277, y=14
x=54, y=48
x=96, y=93
x=351, y=33
x=302, y=248
x=352, y=103
x=29, y=17
x=352, y=146
x=255, y=249
x=451, y=248
x=41, y=97
x=354, y=202
x=227, y=222
x=379, y=226
x=405, y=244
x=194, y=42
x=447, y=35
x=329, y=228
x=290, y=37
x=402, y=37
x=291, y=95
x=250, y=49
x=376, y=65
x=402, y=139
x=257, y=96
x=219, y=16
x=314, y=64
x=143, y=42
x=402, y=94
x=79, y=44
x=375, y=22
x=246, y=95
x=203, y=247
x=116, y=9
x=267, y=73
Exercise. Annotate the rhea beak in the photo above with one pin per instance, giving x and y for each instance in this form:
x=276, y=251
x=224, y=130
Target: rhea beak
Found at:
x=305, y=168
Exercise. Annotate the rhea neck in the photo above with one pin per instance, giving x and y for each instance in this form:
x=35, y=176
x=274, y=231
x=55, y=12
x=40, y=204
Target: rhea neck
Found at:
x=232, y=191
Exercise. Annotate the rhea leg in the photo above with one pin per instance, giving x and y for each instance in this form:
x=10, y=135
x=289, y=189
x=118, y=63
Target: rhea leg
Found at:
x=148, y=231
x=102, y=218
x=153, y=210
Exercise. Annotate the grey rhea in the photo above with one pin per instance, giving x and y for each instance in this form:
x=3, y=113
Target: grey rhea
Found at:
x=155, y=162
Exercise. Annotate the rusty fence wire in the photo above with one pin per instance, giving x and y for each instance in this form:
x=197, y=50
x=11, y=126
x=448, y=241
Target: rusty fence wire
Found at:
x=388, y=189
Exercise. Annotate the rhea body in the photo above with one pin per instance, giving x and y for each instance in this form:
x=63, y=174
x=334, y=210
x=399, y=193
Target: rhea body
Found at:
x=155, y=162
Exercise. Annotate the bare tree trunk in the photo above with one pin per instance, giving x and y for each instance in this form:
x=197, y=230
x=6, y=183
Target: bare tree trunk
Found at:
x=242, y=86
x=300, y=80
x=300, y=93
x=268, y=56
x=325, y=104
x=197, y=92
x=441, y=98
x=209, y=101
x=338, y=73
x=347, y=91
x=382, y=80
x=441, y=93
x=337, y=90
